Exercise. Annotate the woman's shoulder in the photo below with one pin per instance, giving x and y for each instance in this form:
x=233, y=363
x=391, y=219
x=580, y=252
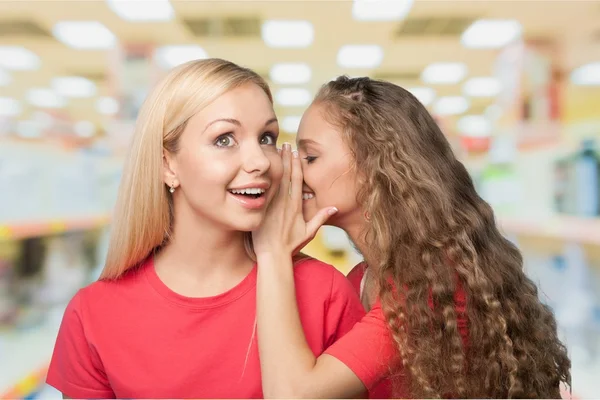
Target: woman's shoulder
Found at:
x=103, y=289
x=305, y=264
x=356, y=274
x=320, y=275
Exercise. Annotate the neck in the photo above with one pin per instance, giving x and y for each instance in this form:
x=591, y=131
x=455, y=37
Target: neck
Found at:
x=356, y=230
x=199, y=249
x=356, y=226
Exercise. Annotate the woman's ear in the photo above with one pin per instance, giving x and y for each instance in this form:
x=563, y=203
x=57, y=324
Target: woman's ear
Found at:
x=169, y=168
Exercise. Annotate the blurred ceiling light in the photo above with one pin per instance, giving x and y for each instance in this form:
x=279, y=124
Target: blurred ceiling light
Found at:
x=493, y=112
x=45, y=98
x=287, y=33
x=290, y=73
x=450, y=105
x=360, y=56
x=425, y=95
x=491, y=33
x=18, y=58
x=474, y=126
x=171, y=56
x=9, y=107
x=292, y=97
x=290, y=124
x=74, y=86
x=84, y=35
x=84, y=129
x=29, y=129
x=444, y=73
x=5, y=78
x=44, y=119
x=142, y=10
x=587, y=74
x=381, y=10
x=482, y=87
x=107, y=106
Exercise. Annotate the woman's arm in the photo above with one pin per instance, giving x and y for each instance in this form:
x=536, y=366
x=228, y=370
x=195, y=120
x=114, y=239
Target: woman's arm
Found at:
x=289, y=367
x=75, y=369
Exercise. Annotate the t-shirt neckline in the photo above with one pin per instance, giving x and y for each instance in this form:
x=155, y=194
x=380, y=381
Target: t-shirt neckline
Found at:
x=219, y=300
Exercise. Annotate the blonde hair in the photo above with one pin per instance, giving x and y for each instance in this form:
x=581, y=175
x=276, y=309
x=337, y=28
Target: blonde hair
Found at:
x=143, y=216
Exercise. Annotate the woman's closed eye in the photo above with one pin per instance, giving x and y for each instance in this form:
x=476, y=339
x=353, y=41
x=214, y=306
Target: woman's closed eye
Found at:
x=310, y=159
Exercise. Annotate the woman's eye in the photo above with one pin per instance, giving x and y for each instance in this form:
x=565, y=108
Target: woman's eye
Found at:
x=310, y=159
x=268, y=139
x=224, y=141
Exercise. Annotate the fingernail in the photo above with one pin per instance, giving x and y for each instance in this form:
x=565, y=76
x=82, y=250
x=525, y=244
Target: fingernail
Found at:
x=295, y=153
x=287, y=146
x=332, y=211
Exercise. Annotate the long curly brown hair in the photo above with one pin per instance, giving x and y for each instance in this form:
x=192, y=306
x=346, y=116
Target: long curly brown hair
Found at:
x=433, y=232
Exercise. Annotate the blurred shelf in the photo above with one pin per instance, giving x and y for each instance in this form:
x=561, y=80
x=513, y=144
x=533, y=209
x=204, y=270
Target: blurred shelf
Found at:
x=28, y=385
x=581, y=230
x=30, y=229
x=25, y=357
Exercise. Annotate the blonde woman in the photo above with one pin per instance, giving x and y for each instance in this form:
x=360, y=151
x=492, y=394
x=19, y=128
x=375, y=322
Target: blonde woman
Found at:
x=173, y=315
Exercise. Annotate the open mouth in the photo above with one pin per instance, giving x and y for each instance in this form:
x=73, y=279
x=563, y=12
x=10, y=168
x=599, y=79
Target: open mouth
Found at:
x=307, y=195
x=252, y=193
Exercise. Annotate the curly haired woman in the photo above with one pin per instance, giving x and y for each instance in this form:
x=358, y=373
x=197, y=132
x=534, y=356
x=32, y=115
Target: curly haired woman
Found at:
x=452, y=313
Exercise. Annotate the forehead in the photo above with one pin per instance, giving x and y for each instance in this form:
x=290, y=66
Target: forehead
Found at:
x=245, y=103
x=315, y=127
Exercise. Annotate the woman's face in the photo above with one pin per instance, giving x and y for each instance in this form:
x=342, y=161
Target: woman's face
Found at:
x=227, y=168
x=330, y=178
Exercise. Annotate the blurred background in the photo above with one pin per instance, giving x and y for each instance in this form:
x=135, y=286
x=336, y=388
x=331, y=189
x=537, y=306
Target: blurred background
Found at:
x=515, y=86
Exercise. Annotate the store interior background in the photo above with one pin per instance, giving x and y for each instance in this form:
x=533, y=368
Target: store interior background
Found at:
x=515, y=86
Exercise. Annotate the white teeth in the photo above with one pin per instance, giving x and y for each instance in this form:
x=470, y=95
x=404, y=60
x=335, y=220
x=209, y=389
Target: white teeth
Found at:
x=307, y=196
x=248, y=191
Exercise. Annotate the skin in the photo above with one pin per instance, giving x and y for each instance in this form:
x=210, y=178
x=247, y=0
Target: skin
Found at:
x=329, y=174
x=289, y=368
x=229, y=144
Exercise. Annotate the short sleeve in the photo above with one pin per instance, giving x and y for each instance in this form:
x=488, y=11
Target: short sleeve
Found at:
x=344, y=308
x=368, y=349
x=75, y=368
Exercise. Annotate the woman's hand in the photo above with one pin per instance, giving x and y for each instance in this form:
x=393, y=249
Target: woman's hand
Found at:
x=284, y=228
x=289, y=368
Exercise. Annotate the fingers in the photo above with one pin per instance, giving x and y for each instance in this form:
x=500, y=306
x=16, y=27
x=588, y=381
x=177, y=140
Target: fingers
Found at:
x=296, y=181
x=318, y=220
x=286, y=156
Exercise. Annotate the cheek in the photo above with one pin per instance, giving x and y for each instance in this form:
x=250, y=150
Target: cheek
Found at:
x=336, y=186
x=327, y=186
x=204, y=169
x=276, y=168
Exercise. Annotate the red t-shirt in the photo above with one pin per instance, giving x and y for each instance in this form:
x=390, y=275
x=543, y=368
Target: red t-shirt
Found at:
x=135, y=338
x=383, y=389
x=369, y=349
x=355, y=276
